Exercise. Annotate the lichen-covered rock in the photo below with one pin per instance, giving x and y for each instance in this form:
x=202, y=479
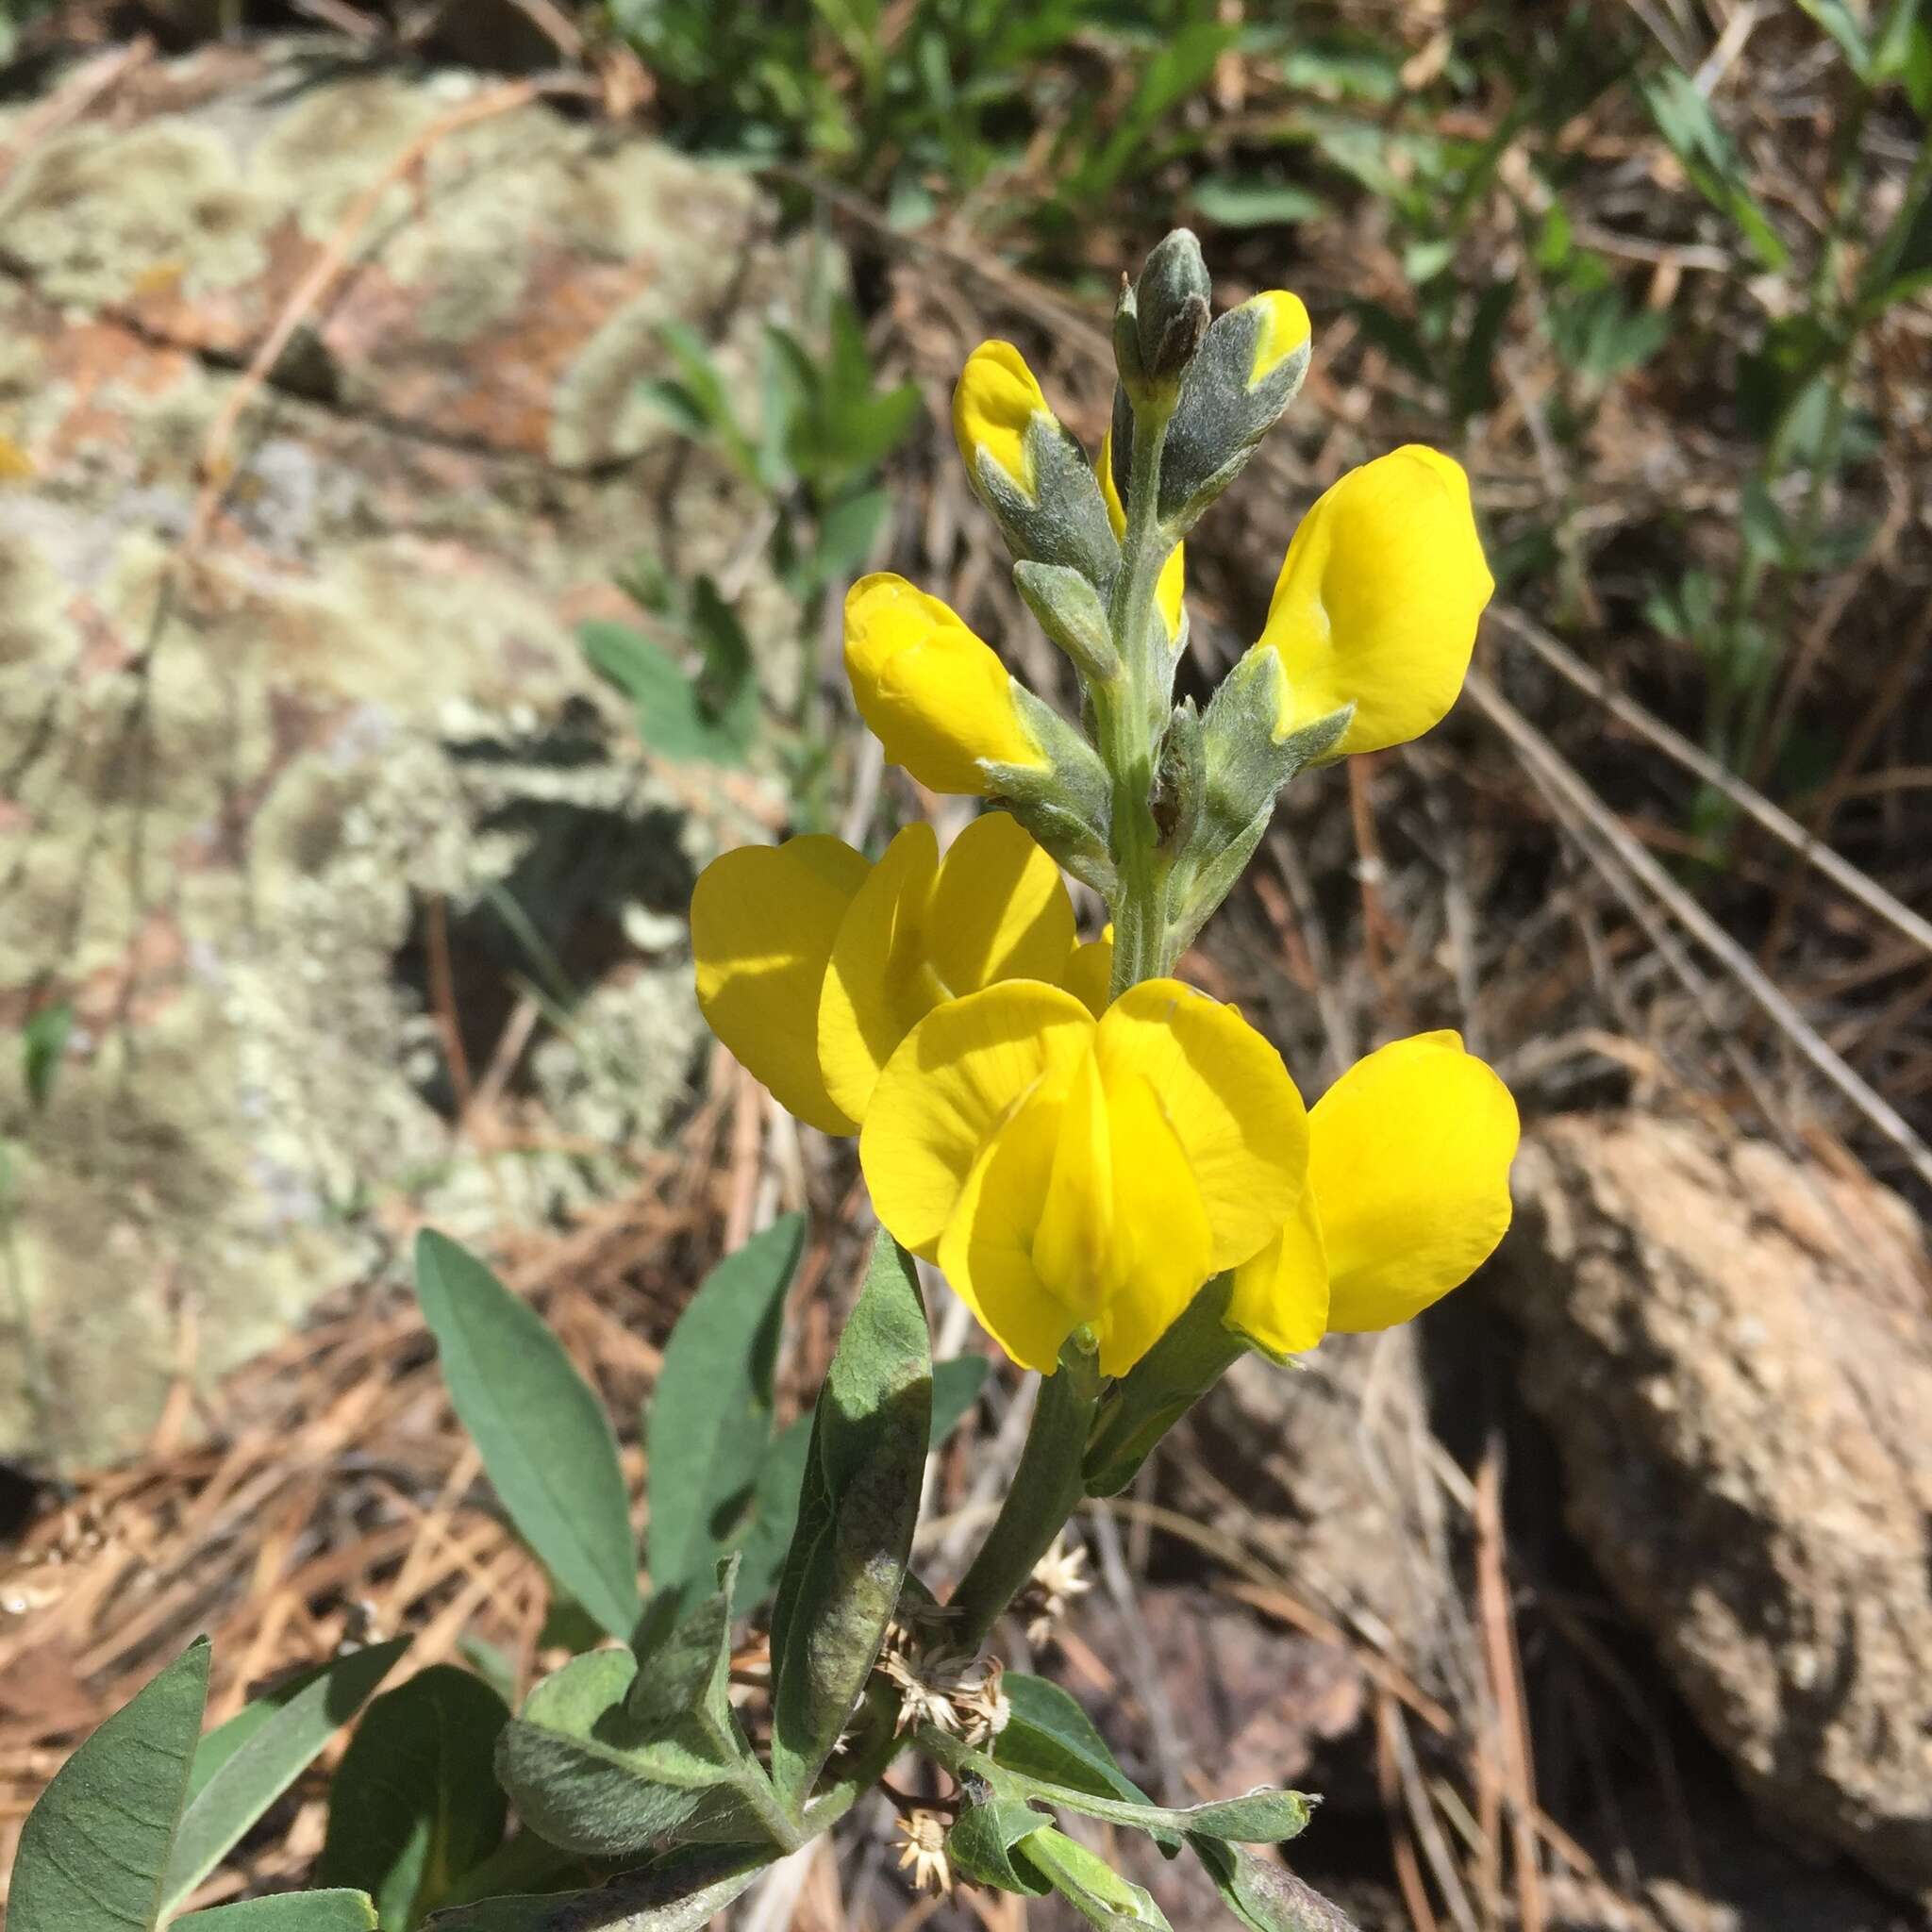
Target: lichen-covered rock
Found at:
x=242, y=792
x=1734, y=1352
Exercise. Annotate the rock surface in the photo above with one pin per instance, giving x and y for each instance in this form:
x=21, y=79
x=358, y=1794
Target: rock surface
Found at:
x=1734, y=1352
x=237, y=785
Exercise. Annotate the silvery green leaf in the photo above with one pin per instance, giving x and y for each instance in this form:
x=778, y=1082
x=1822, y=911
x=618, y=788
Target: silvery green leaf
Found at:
x=1221, y=415
x=1090, y=1884
x=1071, y=613
x=587, y=1774
x=1263, y=1895
x=709, y=1419
x=414, y=1804
x=96, y=1847
x=861, y=1498
x=682, y=1893
x=1065, y=521
x=982, y=1839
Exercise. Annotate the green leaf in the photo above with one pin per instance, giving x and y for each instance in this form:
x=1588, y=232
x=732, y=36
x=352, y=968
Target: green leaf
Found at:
x=983, y=1837
x=1049, y=1737
x=1683, y=117
x=542, y=1434
x=681, y=1894
x=1235, y=201
x=955, y=1387
x=1090, y=1884
x=724, y=649
x=293, y=1911
x=414, y=1804
x=848, y=532
x=774, y=1512
x=1837, y=19
x=250, y=1776
x=861, y=1498
x=1262, y=1895
x=709, y=1429
x=671, y=719
x=220, y=1744
x=43, y=1043
x=612, y=1757
x=95, y=1848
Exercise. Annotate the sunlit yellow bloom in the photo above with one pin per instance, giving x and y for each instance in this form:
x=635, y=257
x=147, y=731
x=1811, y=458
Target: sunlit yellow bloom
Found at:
x=1407, y=1196
x=1089, y=973
x=995, y=403
x=923, y=930
x=1284, y=329
x=812, y=965
x=1063, y=1170
x=763, y=921
x=935, y=695
x=1377, y=600
x=1171, y=587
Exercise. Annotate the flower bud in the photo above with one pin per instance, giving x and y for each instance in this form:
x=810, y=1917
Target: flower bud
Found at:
x=935, y=694
x=1027, y=470
x=1171, y=307
x=1378, y=601
x=1249, y=367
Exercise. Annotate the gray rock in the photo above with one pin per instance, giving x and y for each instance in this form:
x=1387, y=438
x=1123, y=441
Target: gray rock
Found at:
x=1734, y=1352
x=234, y=788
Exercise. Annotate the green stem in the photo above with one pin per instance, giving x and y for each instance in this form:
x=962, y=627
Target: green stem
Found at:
x=1130, y=719
x=1046, y=1490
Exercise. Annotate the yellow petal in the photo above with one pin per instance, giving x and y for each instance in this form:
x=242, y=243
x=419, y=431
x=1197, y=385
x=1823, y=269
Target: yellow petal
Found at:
x=1408, y=1163
x=1089, y=973
x=986, y=1249
x=1379, y=598
x=949, y=1088
x=1280, y=1300
x=1171, y=587
x=1000, y=909
x=1161, y=1243
x=762, y=925
x=1284, y=329
x=934, y=694
x=1073, y=1245
x=994, y=401
x=1227, y=1097
x=878, y=986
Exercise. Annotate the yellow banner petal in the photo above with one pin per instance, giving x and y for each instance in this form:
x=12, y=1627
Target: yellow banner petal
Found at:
x=1162, y=1241
x=763, y=921
x=987, y=1250
x=951, y=1085
x=1000, y=909
x=1280, y=1300
x=878, y=986
x=1408, y=1163
x=1379, y=598
x=1228, y=1099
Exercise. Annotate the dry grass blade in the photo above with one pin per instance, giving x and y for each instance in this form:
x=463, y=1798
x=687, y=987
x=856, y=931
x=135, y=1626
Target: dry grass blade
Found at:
x=1812, y=850
x=1543, y=759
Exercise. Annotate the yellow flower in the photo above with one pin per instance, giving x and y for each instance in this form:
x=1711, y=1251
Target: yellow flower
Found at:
x=763, y=919
x=935, y=695
x=1284, y=328
x=995, y=403
x=1378, y=601
x=1407, y=1196
x=1172, y=585
x=812, y=965
x=921, y=930
x=1063, y=1170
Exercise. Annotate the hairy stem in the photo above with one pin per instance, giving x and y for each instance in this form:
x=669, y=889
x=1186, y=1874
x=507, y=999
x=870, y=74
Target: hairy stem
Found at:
x=1130, y=724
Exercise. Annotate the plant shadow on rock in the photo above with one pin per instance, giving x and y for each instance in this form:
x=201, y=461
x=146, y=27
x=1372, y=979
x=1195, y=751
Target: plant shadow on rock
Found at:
x=1616, y=1751
x=552, y=925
